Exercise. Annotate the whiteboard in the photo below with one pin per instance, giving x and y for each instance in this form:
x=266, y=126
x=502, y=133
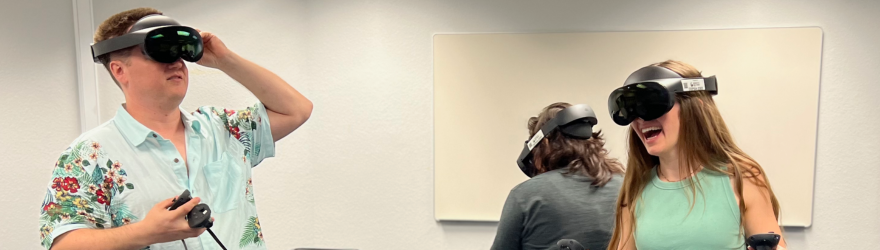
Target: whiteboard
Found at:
x=486, y=86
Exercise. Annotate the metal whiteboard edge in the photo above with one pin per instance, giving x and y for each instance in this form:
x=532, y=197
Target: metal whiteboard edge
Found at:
x=87, y=80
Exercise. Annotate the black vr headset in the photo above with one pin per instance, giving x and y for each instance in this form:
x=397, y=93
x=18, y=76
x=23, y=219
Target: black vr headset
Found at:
x=576, y=121
x=649, y=93
x=161, y=39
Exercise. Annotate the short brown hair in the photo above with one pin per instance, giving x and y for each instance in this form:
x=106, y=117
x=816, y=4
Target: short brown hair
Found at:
x=118, y=25
x=587, y=157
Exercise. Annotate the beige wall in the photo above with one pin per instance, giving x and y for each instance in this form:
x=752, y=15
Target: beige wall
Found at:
x=360, y=173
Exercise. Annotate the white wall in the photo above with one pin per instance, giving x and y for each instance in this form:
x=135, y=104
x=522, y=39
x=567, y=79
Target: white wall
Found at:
x=359, y=174
x=38, y=98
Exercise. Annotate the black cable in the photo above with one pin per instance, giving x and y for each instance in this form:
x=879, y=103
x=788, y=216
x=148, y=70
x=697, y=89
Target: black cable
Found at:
x=215, y=238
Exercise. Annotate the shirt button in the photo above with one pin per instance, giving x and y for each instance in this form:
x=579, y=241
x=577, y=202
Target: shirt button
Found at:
x=176, y=160
x=154, y=136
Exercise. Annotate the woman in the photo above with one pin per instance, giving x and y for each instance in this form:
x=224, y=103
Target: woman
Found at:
x=687, y=183
x=571, y=194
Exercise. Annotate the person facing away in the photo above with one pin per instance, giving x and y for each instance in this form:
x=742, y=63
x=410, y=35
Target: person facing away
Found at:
x=571, y=197
x=687, y=184
x=111, y=188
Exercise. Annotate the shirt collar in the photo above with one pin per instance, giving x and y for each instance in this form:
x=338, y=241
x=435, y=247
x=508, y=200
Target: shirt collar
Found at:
x=137, y=133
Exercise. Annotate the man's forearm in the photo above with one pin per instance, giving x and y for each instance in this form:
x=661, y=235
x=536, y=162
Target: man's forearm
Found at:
x=272, y=91
x=125, y=237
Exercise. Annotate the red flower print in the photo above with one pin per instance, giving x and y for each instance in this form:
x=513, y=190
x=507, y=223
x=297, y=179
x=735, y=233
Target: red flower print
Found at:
x=235, y=132
x=101, y=197
x=117, y=166
x=229, y=112
x=96, y=146
x=71, y=184
x=50, y=206
x=108, y=184
x=58, y=184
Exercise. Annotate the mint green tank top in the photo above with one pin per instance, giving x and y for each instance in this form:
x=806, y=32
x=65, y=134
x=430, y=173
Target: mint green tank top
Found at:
x=664, y=219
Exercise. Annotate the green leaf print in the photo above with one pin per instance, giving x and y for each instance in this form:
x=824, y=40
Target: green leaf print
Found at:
x=121, y=212
x=86, y=163
x=90, y=210
x=75, y=153
x=97, y=176
x=68, y=209
x=84, y=177
x=121, y=188
x=129, y=185
x=251, y=234
x=109, y=164
x=47, y=242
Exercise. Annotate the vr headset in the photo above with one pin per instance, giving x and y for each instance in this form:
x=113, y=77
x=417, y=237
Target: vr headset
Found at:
x=650, y=92
x=576, y=121
x=161, y=39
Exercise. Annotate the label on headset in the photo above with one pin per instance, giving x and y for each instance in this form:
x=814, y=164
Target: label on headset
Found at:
x=535, y=139
x=693, y=84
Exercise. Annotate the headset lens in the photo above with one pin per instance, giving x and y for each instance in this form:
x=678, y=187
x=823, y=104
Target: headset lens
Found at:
x=647, y=100
x=167, y=44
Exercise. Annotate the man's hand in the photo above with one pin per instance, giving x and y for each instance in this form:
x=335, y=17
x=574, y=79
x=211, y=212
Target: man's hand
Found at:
x=215, y=52
x=162, y=225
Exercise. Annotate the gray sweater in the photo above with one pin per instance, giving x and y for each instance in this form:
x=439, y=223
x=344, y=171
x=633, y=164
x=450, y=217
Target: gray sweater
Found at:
x=553, y=206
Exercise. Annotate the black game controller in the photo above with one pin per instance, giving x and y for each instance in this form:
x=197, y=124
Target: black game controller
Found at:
x=766, y=241
x=180, y=200
x=568, y=244
x=199, y=216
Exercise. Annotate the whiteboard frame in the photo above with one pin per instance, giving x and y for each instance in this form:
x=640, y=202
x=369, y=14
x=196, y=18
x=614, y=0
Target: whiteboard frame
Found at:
x=441, y=218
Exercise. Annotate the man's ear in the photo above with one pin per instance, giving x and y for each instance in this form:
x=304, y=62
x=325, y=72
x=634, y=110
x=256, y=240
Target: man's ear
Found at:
x=119, y=72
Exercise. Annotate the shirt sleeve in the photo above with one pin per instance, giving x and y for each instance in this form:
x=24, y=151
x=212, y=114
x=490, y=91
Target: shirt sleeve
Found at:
x=510, y=227
x=250, y=126
x=77, y=195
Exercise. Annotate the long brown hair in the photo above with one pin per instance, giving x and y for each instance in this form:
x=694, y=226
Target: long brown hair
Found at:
x=587, y=157
x=703, y=141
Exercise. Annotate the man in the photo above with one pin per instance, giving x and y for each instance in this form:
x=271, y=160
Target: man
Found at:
x=111, y=189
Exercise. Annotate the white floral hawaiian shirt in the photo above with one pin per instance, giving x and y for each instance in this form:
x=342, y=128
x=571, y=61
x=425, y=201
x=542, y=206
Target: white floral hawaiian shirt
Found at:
x=114, y=174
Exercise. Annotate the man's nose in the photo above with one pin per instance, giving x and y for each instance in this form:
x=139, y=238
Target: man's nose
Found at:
x=176, y=64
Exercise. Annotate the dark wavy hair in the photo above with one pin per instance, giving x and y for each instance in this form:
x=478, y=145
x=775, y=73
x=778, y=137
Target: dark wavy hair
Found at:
x=587, y=157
